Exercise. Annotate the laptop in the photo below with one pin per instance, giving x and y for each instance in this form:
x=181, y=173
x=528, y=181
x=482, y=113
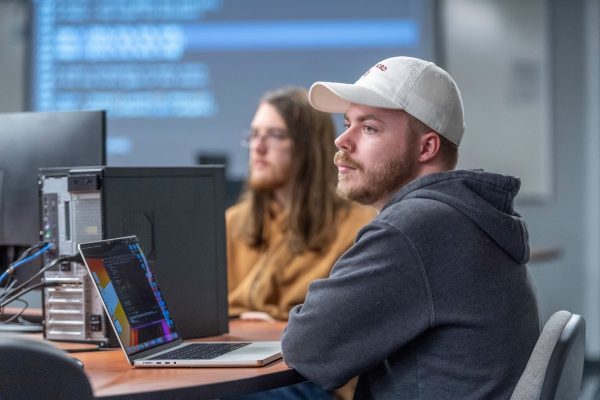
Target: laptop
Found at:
x=138, y=312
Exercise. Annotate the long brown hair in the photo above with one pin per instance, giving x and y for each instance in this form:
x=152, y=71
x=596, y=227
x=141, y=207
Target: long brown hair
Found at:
x=314, y=203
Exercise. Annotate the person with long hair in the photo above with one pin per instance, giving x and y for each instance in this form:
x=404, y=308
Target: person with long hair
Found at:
x=289, y=226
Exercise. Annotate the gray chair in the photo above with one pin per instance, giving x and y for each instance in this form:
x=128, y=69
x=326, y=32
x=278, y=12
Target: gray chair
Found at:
x=555, y=368
x=32, y=369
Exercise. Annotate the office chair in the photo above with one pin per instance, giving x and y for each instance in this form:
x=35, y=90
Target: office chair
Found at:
x=32, y=369
x=555, y=368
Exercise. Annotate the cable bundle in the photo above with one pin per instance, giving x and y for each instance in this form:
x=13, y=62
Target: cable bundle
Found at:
x=13, y=292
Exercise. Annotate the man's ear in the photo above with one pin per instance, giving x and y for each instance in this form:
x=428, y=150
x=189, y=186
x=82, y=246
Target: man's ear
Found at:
x=430, y=146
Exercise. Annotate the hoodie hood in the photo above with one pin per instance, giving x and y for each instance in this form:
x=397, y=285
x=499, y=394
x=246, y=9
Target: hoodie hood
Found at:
x=486, y=198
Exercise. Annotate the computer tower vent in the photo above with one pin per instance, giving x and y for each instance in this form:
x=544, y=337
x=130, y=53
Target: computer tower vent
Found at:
x=88, y=219
x=140, y=224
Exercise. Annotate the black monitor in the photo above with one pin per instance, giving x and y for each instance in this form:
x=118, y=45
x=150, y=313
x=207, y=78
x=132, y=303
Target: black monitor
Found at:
x=32, y=140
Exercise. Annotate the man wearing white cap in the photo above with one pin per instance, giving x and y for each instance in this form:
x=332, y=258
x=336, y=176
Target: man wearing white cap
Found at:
x=434, y=300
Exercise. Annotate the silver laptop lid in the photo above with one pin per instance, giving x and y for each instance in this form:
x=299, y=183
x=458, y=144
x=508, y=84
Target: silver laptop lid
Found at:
x=131, y=296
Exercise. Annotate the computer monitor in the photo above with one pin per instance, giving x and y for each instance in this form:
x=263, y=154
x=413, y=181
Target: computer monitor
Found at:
x=32, y=140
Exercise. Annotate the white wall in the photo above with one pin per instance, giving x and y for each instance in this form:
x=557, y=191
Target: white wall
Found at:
x=497, y=51
x=483, y=39
x=591, y=171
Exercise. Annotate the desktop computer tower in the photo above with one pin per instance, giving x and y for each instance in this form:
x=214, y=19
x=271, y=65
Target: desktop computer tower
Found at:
x=177, y=213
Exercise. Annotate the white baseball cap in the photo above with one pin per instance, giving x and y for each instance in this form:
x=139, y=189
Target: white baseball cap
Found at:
x=418, y=87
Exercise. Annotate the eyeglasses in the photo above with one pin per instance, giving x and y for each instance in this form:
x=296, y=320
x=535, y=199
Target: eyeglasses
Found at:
x=272, y=137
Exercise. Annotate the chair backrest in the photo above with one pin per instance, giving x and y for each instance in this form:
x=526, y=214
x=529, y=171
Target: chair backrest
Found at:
x=32, y=369
x=555, y=368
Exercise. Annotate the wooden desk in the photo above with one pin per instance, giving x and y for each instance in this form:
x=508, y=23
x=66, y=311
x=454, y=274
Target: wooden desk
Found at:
x=111, y=376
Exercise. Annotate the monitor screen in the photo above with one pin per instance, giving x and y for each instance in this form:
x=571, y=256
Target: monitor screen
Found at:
x=33, y=140
x=130, y=294
x=181, y=79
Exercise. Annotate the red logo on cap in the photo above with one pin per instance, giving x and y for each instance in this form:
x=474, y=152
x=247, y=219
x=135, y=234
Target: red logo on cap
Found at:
x=378, y=66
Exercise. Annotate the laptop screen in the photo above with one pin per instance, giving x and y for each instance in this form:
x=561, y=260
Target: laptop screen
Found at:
x=130, y=293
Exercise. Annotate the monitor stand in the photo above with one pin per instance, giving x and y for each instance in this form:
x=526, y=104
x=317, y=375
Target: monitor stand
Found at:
x=8, y=254
x=33, y=320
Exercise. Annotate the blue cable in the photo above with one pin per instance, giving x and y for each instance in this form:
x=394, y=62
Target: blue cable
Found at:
x=14, y=266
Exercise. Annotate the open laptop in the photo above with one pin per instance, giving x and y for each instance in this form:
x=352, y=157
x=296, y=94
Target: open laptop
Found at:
x=139, y=315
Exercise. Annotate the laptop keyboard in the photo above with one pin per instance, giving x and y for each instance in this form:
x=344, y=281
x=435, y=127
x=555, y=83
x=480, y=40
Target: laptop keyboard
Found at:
x=199, y=351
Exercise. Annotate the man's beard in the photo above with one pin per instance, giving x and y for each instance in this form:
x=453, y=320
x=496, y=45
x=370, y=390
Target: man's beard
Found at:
x=381, y=180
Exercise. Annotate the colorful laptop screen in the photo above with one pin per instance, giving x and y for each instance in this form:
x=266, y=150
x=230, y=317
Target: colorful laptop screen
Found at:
x=130, y=293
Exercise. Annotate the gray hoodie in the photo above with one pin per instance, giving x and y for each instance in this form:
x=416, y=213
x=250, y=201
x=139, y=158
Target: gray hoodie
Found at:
x=433, y=301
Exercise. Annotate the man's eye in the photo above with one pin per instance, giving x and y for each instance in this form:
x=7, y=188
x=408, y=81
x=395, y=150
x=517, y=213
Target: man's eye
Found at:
x=369, y=129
